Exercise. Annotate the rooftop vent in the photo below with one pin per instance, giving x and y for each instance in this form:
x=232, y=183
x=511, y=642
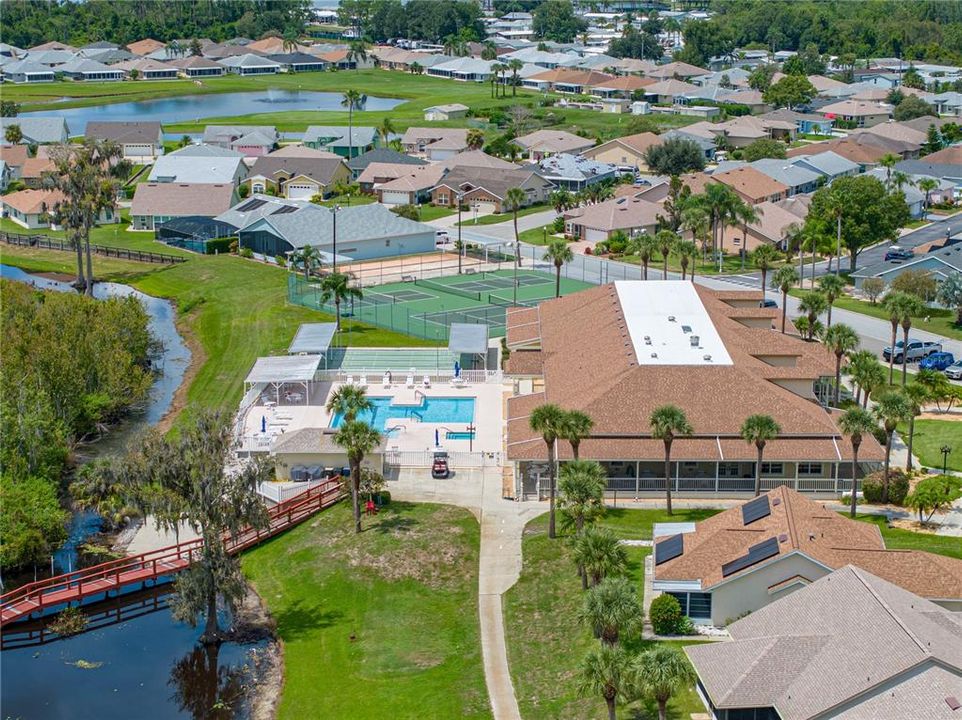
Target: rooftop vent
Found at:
x=953, y=702
x=671, y=318
x=647, y=339
x=686, y=328
x=654, y=355
x=782, y=538
x=706, y=358
x=777, y=501
x=695, y=340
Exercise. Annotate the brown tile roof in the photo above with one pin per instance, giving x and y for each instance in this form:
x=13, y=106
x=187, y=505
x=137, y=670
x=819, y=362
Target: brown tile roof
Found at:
x=617, y=214
x=524, y=327
x=524, y=362
x=478, y=159
x=556, y=141
x=855, y=108
x=680, y=69
x=124, y=132
x=626, y=83
x=750, y=183
x=181, y=199
x=803, y=525
x=415, y=178
x=30, y=202
x=14, y=155
x=496, y=182
x=36, y=167
x=145, y=46
x=951, y=155
x=414, y=135
x=639, y=142
x=567, y=76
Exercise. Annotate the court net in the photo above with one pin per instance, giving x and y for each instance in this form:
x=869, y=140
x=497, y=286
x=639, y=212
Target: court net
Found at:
x=439, y=287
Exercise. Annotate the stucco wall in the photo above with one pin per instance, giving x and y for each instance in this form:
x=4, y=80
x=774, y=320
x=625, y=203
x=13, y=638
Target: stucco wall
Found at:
x=283, y=462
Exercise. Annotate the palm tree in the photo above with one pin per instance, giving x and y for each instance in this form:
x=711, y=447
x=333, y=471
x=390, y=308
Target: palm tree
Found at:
x=416, y=68
x=561, y=200
x=577, y=426
x=889, y=161
x=687, y=251
x=783, y=279
x=499, y=69
x=917, y=394
x=385, y=130
x=891, y=408
x=548, y=421
x=662, y=672
x=927, y=185
x=831, y=286
x=309, y=257
x=697, y=220
x=759, y=429
x=612, y=610
x=644, y=246
x=866, y=373
x=348, y=401
x=514, y=65
x=13, y=134
x=764, y=256
x=474, y=139
x=747, y=214
x=721, y=203
x=841, y=340
x=358, y=439
x=289, y=43
x=559, y=253
x=665, y=240
x=813, y=304
x=337, y=287
x=856, y=422
x=909, y=306
x=668, y=422
x=352, y=100
x=356, y=53
x=581, y=493
x=606, y=671
x=600, y=553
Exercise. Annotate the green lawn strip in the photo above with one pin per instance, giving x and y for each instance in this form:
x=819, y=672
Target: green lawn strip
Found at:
x=348, y=200
x=930, y=436
x=941, y=321
x=34, y=260
x=110, y=235
x=546, y=643
x=405, y=589
x=899, y=539
x=731, y=265
x=538, y=236
x=496, y=218
x=434, y=212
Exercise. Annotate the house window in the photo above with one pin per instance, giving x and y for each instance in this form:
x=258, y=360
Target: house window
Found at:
x=727, y=469
x=694, y=604
x=772, y=469
x=442, y=199
x=258, y=187
x=809, y=469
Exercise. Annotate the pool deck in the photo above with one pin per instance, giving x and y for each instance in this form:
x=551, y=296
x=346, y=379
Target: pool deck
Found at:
x=405, y=434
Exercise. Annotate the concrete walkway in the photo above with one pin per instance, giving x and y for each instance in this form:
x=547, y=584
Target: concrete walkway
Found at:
x=502, y=524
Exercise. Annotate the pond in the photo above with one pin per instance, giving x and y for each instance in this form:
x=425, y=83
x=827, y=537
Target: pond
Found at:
x=192, y=108
x=152, y=662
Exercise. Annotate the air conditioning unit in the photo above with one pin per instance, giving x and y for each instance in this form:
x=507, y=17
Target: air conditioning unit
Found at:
x=694, y=340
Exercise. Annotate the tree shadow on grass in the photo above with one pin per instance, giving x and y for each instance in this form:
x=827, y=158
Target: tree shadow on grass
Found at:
x=394, y=518
x=298, y=620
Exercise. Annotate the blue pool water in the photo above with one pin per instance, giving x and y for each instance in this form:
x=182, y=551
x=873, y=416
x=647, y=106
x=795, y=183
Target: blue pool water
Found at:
x=431, y=410
x=459, y=436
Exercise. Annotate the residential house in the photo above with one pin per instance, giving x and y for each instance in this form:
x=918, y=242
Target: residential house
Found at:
x=575, y=173
x=797, y=178
x=364, y=232
x=805, y=123
x=147, y=69
x=865, y=149
x=431, y=141
x=853, y=644
x=666, y=342
x=34, y=209
x=478, y=159
x=36, y=130
x=451, y=111
x=358, y=164
x=140, y=142
x=623, y=86
x=249, y=140
x=486, y=188
x=542, y=144
x=343, y=60
x=829, y=165
x=949, y=103
x=672, y=91
x=624, y=152
x=775, y=222
x=857, y=113
x=412, y=186
x=567, y=80
x=705, y=142
x=156, y=203
x=145, y=46
x=828, y=87
x=250, y=64
x=945, y=165
x=596, y=223
x=297, y=177
x=24, y=72
x=939, y=262
x=465, y=69
x=298, y=62
x=52, y=58
x=186, y=168
x=83, y=69
x=678, y=71
x=752, y=185
x=378, y=173
x=347, y=143
x=196, y=67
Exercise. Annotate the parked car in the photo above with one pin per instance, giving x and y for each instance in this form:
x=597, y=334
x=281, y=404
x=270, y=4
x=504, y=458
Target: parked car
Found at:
x=441, y=237
x=767, y=303
x=954, y=371
x=898, y=253
x=937, y=361
x=439, y=468
x=915, y=350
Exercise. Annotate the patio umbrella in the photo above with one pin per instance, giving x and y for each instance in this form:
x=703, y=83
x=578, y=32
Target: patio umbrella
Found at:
x=437, y=438
x=263, y=423
x=457, y=369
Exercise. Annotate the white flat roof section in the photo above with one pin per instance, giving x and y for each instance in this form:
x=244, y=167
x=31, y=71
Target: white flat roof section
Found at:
x=668, y=324
x=312, y=338
x=284, y=368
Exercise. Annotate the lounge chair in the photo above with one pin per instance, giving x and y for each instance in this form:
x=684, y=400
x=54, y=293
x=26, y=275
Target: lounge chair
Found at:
x=349, y=380
x=426, y=381
x=457, y=381
x=363, y=381
x=410, y=381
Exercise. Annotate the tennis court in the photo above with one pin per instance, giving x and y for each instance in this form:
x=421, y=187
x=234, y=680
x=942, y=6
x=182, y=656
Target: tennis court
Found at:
x=426, y=308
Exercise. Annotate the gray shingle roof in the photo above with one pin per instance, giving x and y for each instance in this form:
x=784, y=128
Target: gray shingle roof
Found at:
x=333, y=136
x=192, y=169
x=37, y=129
x=826, y=163
x=125, y=132
x=386, y=155
x=785, y=172
x=313, y=441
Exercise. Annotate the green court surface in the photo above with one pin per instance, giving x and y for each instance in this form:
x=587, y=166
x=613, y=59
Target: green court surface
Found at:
x=426, y=308
x=373, y=361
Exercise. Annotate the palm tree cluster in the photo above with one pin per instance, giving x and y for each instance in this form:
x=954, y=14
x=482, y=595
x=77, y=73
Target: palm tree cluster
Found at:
x=357, y=437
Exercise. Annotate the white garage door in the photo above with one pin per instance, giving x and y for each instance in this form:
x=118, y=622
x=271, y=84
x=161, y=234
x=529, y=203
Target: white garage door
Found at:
x=595, y=235
x=486, y=208
x=395, y=198
x=299, y=192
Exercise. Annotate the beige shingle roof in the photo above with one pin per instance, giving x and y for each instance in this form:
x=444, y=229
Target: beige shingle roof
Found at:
x=181, y=199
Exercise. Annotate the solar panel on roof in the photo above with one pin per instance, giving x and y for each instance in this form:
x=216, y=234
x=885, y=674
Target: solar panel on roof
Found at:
x=669, y=549
x=252, y=205
x=284, y=209
x=755, y=510
x=756, y=553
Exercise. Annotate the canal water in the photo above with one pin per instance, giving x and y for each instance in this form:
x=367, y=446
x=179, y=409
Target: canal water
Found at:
x=191, y=108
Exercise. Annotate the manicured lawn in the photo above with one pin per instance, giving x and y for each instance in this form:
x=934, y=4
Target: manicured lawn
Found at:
x=546, y=643
x=538, y=235
x=494, y=219
x=731, y=265
x=898, y=539
x=347, y=200
x=378, y=625
x=930, y=436
x=112, y=235
x=941, y=321
x=235, y=308
x=433, y=212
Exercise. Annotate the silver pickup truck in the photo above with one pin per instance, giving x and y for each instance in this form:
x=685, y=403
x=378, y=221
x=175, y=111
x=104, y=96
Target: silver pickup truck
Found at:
x=913, y=351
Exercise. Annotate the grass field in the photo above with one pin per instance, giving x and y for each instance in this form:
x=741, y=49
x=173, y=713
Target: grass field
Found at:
x=545, y=640
x=378, y=625
x=427, y=310
x=497, y=218
x=898, y=539
x=930, y=436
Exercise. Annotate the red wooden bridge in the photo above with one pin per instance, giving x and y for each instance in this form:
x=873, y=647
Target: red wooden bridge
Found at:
x=156, y=565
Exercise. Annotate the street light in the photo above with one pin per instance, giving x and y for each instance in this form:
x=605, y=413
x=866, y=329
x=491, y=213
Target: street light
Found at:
x=334, y=209
x=459, y=197
x=946, y=449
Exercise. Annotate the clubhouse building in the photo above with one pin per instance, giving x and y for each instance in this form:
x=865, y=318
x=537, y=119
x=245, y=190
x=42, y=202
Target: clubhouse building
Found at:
x=618, y=351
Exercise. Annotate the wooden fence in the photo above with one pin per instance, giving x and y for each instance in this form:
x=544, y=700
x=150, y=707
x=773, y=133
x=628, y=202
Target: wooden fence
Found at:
x=45, y=242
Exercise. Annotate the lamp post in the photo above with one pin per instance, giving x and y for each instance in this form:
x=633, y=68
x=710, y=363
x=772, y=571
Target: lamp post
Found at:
x=517, y=259
x=471, y=431
x=459, y=197
x=334, y=209
x=946, y=449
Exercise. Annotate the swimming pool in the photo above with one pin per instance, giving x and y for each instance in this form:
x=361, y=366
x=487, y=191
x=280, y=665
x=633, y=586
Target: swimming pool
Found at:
x=431, y=410
x=458, y=435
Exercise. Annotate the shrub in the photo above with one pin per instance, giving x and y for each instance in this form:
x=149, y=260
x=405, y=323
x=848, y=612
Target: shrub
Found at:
x=280, y=260
x=246, y=253
x=244, y=191
x=558, y=224
x=220, y=245
x=898, y=487
x=233, y=247
x=665, y=615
